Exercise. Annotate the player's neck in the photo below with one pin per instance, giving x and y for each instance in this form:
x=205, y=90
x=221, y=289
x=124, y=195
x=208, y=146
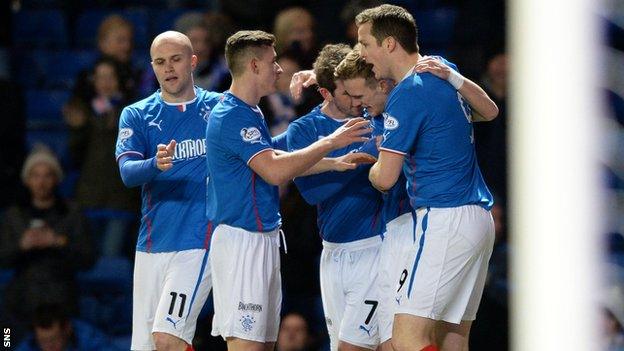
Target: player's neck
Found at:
x=245, y=91
x=186, y=95
x=404, y=64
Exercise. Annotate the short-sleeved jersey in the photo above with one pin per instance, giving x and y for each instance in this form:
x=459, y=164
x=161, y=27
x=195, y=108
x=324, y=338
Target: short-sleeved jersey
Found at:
x=235, y=194
x=395, y=200
x=349, y=208
x=428, y=121
x=173, y=204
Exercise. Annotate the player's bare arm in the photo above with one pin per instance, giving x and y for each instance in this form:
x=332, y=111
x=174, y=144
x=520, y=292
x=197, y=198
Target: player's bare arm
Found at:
x=277, y=169
x=386, y=171
x=485, y=108
x=164, y=155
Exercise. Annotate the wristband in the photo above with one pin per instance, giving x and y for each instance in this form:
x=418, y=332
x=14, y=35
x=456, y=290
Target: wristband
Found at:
x=455, y=79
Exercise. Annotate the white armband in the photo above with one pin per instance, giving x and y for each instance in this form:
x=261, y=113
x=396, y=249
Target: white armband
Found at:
x=455, y=79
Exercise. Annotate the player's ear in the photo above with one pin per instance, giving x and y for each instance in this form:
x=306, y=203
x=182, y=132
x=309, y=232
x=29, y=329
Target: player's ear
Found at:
x=193, y=61
x=389, y=44
x=253, y=64
x=325, y=94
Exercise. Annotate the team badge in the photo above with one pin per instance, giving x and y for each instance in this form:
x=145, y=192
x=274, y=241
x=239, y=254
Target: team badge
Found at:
x=390, y=123
x=124, y=134
x=251, y=135
x=247, y=322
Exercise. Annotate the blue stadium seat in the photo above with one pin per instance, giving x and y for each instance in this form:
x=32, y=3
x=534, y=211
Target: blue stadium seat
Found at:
x=163, y=20
x=106, y=295
x=436, y=27
x=59, y=69
x=40, y=29
x=53, y=138
x=88, y=22
x=44, y=108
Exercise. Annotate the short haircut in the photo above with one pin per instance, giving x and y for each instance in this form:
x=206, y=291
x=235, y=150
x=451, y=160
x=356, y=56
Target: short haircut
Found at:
x=242, y=45
x=391, y=21
x=354, y=66
x=326, y=62
x=110, y=24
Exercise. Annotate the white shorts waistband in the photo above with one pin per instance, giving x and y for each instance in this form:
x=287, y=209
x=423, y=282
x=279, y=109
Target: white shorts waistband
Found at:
x=354, y=245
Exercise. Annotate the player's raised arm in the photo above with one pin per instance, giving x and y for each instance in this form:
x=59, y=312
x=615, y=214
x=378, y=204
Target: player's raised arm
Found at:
x=279, y=168
x=485, y=108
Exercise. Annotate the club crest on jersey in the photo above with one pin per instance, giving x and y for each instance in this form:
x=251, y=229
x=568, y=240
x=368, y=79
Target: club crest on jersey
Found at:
x=390, y=123
x=205, y=112
x=124, y=134
x=251, y=135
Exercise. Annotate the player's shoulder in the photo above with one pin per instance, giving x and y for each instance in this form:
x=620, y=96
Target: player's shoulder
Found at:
x=446, y=62
x=144, y=106
x=210, y=97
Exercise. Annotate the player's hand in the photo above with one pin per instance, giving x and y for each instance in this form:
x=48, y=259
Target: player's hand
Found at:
x=164, y=155
x=350, y=132
x=434, y=66
x=300, y=80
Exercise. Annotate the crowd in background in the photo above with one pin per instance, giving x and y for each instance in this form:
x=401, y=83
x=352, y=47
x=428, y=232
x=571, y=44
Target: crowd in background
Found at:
x=69, y=225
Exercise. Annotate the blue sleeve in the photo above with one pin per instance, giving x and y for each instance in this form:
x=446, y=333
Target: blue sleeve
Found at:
x=318, y=187
x=402, y=120
x=131, y=138
x=135, y=171
x=244, y=134
x=280, y=142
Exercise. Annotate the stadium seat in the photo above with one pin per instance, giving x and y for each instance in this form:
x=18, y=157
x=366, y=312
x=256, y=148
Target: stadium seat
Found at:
x=59, y=69
x=163, y=20
x=436, y=27
x=88, y=22
x=106, y=295
x=44, y=108
x=40, y=29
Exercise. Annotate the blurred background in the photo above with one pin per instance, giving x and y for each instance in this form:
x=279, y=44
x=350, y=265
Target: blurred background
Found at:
x=68, y=227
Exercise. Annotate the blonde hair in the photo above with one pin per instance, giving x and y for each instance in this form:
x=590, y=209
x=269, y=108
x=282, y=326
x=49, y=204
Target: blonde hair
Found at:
x=111, y=23
x=353, y=66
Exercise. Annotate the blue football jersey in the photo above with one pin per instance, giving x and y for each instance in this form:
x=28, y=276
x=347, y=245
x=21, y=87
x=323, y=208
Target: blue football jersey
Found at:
x=429, y=122
x=236, y=195
x=349, y=208
x=173, y=204
x=395, y=200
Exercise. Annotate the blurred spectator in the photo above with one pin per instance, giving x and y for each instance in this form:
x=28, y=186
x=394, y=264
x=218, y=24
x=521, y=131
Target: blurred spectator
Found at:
x=294, y=31
x=53, y=330
x=491, y=137
x=114, y=41
x=45, y=240
x=348, y=13
x=208, y=34
x=13, y=139
x=294, y=333
x=93, y=134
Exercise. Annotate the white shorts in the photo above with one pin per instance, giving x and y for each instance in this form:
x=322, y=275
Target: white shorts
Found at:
x=394, y=245
x=247, y=284
x=350, y=297
x=170, y=289
x=444, y=271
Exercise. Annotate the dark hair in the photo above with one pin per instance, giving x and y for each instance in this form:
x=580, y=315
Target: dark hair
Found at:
x=326, y=62
x=45, y=316
x=391, y=21
x=243, y=43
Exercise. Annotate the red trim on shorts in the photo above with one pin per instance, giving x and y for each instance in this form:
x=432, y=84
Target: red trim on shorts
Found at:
x=148, y=221
x=208, y=235
x=253, y=199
